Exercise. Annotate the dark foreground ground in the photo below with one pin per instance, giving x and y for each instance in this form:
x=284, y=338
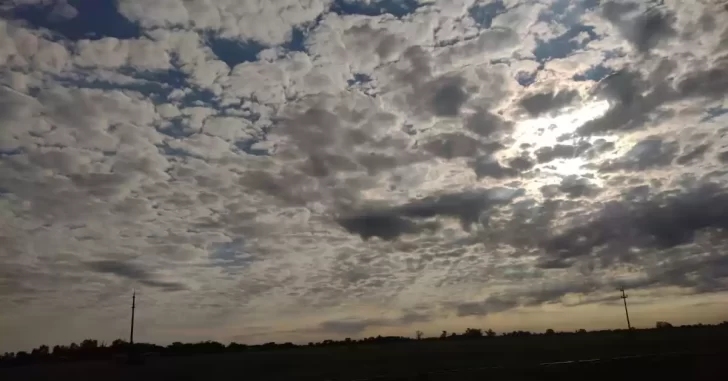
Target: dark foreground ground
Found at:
x=649, y=355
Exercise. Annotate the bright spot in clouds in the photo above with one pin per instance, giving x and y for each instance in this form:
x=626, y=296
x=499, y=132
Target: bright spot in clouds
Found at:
x=296, y=167
x=552, y=129
x=559, y=127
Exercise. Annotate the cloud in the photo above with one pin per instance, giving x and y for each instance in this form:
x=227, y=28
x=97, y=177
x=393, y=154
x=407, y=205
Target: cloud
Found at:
x=694, y=154
x=248, y=21
x=649, y=153
x=448, y=97
x=663, y=222
x=644, y=29
x=131, y=271
x=390, y=223
x=358, y=326
x=289, y=164
x=540, y=103
x=449, y=146
x=490, y=305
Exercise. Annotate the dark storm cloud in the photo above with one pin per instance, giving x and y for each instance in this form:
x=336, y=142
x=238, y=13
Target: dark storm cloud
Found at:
x=490, y=305
x=449, y=96
x=391, y=223
x=131, y=271
x=375, y=163
x=440, y=96
x=723, y=157
x=485, y=123
x=666, y=221
x=322, y=164
x=522, y=163
x=692, y=155
x=709, y=83
x=490, y=167
x=379, y=41
x=542, y=103
x=452, y=145
x=356, y=326
x=318, y=128
x=575, y=187
x=313, y=128
x=385, y=225
x=350, y=327
x=643, y=30
x=629, y=107
x=419, y=66
x=560, y=151
x=287, y=187
x=650, y=153
x=635, y=98
x=535, y=296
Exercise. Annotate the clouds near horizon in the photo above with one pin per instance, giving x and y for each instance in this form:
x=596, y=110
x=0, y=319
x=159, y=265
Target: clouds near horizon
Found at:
x=339, y=167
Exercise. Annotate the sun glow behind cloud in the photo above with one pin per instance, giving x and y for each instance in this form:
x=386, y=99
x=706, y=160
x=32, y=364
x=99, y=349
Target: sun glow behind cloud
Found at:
x=559, y=128
x=230, y=148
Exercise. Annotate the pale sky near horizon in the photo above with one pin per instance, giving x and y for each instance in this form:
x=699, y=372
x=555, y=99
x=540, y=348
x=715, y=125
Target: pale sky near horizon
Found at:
x=297, y=170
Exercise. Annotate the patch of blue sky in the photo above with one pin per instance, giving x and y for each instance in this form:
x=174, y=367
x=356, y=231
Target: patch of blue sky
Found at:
x=568, y=12
x=233, y=51
x=200, y=97
x=174, y=78
x=397, y=8
x=714, y=112
x=231, y=254
x=153, y=91
x=166, y=149
x=297, y=43
x=247, y=147
x=594, y=73
x=565, y=44
x=94, y=19
x=483, y=14
x=359, y=79
x=156, y=85
x=526, y=79
x=10, y=152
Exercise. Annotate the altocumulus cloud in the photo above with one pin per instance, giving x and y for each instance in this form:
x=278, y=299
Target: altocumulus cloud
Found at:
x=340, y=167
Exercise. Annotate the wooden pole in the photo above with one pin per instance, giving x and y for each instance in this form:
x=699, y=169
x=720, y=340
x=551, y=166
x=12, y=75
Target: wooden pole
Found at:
x=133, y=306
x=626, y=311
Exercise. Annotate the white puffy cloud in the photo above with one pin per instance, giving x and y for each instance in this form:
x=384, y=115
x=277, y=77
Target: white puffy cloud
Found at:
x=268, y=22
x=396, y=162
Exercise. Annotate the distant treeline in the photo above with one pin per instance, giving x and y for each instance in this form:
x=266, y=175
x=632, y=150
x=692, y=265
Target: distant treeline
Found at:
x=93, y=350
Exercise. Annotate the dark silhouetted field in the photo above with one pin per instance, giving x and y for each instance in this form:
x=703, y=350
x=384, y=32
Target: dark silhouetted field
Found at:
x=670, y=354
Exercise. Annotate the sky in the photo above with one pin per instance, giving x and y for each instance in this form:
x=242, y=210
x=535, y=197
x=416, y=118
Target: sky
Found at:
x=300, y=170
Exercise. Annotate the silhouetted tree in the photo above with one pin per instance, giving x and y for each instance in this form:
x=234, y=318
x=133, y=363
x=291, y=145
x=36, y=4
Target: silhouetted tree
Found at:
x=41, y=351
x=490, y=333
x=550, y=331
x=443, y=335
x=662, y=325
x=418, y=335
x=473, y=333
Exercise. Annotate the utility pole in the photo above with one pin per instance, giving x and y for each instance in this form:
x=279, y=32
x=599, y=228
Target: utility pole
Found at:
x=626, y=312
x=133, y=306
